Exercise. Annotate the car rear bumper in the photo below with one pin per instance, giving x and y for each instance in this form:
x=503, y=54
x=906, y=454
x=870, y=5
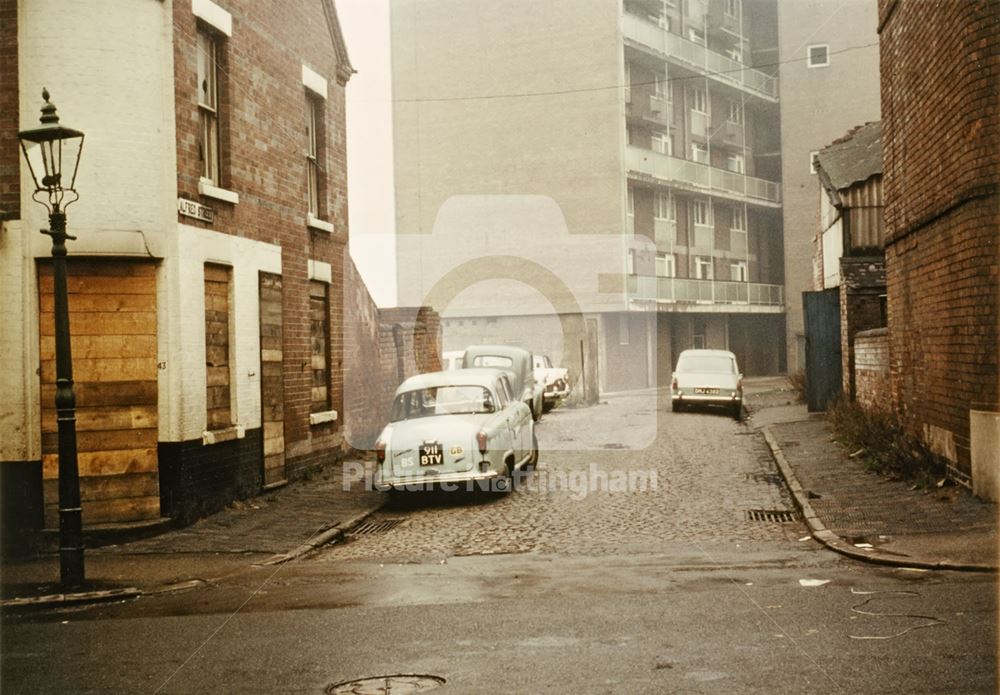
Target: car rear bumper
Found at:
x=428, y=480
x=708, y=399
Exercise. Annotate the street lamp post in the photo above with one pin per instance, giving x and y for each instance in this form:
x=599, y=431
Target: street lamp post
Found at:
x=52, y=151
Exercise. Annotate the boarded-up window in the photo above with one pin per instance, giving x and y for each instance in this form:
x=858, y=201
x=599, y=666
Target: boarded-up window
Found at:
x=217, y=281
x=319, y=322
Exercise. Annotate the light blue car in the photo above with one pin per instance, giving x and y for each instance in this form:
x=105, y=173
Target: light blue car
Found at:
x=455, y=429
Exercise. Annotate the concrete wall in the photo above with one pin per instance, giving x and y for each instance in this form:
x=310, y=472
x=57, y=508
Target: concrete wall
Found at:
x=818, y=105
x=871, y=369
x=941, y=178
x=507, y=101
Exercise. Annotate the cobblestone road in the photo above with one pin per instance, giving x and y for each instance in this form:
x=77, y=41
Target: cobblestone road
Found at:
x=694, y=483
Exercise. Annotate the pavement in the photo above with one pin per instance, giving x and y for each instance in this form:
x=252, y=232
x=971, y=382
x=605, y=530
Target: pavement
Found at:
x=871, y=517
x=851, y=510
x=275, y=527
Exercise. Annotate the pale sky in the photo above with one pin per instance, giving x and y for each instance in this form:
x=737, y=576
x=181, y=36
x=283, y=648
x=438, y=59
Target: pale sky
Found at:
x=370, y=192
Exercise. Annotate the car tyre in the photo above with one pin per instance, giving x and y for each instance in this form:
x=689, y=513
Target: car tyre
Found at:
x=737, y=411
x=505, y=483
x=676, y=407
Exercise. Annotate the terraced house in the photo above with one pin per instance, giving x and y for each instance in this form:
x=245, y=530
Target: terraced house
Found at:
x=207, y=277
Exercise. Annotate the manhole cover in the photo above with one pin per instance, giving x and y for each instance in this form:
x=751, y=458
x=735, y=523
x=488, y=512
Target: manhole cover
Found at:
x=370, y=528
x=780, y=516
x=401, y=684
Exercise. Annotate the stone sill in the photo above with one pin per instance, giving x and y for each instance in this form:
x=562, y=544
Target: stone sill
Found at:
x=320, y=418
x=317, y=223
x=209, y=437
x=208, y=189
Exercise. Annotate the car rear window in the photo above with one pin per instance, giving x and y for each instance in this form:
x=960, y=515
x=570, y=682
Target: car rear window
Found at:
x=492, y=361
x=710, y=364
x=442, y=400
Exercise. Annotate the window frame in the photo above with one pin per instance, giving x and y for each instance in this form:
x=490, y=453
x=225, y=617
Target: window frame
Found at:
x=697, y=206
x=701, y=263
x=327, y=404
x=738, y=219
x=743, y=271
x=737, y=159
x=664, y=202
x=669, y=265
x=810, y=63
x=209, y=114
x=700, y=147
x=699, y=95
x=313, y=150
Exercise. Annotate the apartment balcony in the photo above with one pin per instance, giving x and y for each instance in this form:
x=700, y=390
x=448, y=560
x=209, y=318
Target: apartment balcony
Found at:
x=665, y=233
x=655, y=110
x=701, y=178
x=728, y=133
x=684, y=294
x=697, y=57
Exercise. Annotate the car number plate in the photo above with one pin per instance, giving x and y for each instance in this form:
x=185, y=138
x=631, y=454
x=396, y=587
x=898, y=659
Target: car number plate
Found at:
x=431, y=455
x=706, y=390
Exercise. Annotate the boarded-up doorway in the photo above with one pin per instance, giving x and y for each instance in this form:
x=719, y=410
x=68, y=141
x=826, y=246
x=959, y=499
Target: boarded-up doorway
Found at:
x=112, y=313
x=272, y=382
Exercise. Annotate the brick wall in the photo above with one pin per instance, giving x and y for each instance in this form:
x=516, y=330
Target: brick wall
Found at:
x=262, y=125
x=939, y=68
x=871, y=369
x=862, y=282
x=10, y=190
x=381, y=348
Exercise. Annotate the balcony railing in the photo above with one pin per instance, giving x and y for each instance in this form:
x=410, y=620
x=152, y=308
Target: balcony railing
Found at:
x=696, y=56
x=711, y=179
x=685, y=290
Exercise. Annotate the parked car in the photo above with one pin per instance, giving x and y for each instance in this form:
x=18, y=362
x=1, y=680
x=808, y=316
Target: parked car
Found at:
x=707, y=377
x=555, y=381
x=452, y=359
x=518, y=364
x=459, y=427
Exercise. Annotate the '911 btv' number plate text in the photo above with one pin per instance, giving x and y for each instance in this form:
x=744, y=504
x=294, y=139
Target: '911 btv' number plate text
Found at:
x=430, y=455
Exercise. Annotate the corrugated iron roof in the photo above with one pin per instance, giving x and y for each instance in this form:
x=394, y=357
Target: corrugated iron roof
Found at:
x=855, y=157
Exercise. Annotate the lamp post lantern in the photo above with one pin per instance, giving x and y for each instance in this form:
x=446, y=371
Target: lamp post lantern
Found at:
x=52, y=152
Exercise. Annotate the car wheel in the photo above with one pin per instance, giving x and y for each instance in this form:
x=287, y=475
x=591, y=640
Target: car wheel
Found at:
x=737, y=411
x=676, y=407
x=505, y=483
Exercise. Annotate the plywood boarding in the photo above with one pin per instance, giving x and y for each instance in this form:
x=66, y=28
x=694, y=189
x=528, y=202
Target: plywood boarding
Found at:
x=272, y=383
x=112, y=307
x=319, y=323
x=217, y=286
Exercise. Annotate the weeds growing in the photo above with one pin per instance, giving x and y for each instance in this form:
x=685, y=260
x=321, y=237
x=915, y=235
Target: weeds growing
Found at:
x=883, y=445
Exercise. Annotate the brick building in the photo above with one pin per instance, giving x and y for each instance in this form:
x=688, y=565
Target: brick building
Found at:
x=849, y=246
x=211, y=292
x=939, y=66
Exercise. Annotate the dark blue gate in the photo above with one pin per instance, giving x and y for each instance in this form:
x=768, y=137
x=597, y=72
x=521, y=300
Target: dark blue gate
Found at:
x=821, y=313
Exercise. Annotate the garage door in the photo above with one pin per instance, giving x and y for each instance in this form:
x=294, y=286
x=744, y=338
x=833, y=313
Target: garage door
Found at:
x=112, y=305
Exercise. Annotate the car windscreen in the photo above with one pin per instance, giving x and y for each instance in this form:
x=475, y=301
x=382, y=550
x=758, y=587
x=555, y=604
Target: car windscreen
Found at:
x=706, y=364
x=442, y=400
x=492, y=361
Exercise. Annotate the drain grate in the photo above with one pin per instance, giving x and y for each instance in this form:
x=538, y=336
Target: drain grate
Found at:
x=371, y=528
x=777, y=516
x=402, y=684
x=614, y=445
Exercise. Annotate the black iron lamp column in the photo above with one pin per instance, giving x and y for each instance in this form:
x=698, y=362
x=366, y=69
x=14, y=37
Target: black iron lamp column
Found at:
x=53, y=155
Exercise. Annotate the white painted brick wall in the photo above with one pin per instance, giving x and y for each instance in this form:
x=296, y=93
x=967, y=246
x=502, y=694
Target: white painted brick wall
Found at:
x=182, y=328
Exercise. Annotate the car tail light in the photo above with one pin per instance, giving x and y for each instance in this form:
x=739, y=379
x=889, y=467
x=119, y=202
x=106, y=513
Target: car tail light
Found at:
x=739, y=386
x=481, y=440
x=673, y=384
x=380, y=451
